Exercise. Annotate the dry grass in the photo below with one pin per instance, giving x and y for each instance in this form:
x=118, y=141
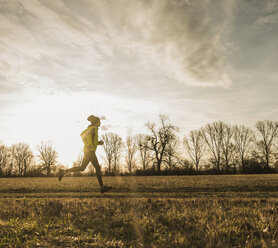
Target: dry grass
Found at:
x=197, y=211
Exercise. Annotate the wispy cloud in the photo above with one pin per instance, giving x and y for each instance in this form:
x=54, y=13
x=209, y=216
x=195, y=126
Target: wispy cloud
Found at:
x=269, y=13
x=85, y=45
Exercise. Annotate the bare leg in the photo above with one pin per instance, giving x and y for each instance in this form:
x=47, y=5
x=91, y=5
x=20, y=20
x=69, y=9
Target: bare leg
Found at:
x=95, y=163
x=86, y=160
x=88, y=157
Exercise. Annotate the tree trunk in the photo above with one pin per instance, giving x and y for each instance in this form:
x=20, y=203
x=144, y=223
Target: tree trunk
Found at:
x=48, y=170
x=242, y=164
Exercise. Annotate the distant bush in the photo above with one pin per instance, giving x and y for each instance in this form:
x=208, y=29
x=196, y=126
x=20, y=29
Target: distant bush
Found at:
x=173, y=172
x=253, y=166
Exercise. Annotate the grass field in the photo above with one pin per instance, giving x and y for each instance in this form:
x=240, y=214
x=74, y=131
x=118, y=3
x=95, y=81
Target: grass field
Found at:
x=174, y=211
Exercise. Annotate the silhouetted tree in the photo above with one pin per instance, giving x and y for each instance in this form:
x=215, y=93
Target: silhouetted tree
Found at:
x=227, y=146
x=213, y=136
x=22, y=157
x=195, y=147
x=108, y=149
x=4, y=158
x=172, y=153
x=267, y=131
x=144, y=151
x=117, y=146
x=47, y=156
x=244, y=137
x=159, y=138
x=112, y=147
x=131, y=148
x=10, y=166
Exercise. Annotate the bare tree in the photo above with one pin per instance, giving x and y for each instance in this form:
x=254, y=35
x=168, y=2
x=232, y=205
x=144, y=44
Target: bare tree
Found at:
x=195, y=147
x=48, y=156
x=159, y=138
x=10, y=167
x=267, y=131
x=244, y=137
x=227, y=146
x=117, y=145
x=112, y=148
x=131, y=148
x=4, y=158
x=213, y=136
x=107, y=146
x=172, y=153
x=144, y=152
x=22, y=157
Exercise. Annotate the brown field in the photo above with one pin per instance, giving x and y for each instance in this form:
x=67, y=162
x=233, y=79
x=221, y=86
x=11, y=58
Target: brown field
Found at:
x=173, y=211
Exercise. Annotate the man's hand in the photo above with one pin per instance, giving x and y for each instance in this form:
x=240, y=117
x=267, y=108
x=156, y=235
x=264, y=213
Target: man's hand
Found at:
x=101, y=142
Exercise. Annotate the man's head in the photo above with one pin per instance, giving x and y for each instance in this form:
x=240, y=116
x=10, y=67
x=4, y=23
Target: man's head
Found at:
x=94, y=120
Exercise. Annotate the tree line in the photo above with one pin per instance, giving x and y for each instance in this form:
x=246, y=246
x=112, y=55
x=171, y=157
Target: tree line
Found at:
x=19, y=160
x=214, y=148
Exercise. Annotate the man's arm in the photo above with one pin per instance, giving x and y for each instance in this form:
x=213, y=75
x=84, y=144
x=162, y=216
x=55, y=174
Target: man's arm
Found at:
x=93, y=136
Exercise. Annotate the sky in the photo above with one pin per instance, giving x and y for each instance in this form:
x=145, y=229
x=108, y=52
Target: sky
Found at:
x=129, y=61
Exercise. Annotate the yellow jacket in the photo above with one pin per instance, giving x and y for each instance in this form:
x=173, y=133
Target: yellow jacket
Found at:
x=90, y=138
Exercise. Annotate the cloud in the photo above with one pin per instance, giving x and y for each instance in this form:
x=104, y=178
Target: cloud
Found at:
x=259, y=15
x=9, y=92
x=272, y=18
x=255, y=39
x=267, y=13
x=270, y=6
x=89, y=45
x=188, y=37
x=105, y=127
x=183, y=38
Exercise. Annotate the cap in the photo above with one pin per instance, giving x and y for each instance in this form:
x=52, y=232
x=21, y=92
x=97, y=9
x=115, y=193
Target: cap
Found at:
x=93, y=118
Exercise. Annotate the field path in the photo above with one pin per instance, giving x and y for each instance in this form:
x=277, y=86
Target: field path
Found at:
x=143, y=187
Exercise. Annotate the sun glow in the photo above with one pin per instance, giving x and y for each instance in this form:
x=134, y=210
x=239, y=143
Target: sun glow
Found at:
x=60, y=118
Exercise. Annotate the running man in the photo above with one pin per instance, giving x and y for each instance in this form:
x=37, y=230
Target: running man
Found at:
x=90, y=140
